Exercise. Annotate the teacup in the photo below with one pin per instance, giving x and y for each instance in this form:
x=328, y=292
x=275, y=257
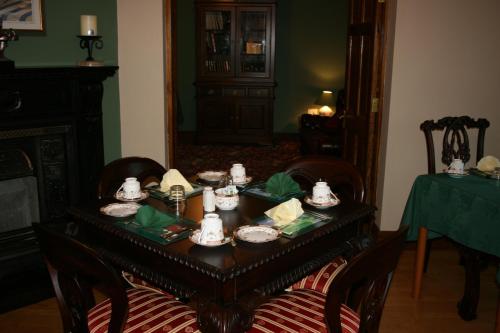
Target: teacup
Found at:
x=457, y=166
x=130, y=189
x=211, y=229
x=238, y=173
x=321, y=193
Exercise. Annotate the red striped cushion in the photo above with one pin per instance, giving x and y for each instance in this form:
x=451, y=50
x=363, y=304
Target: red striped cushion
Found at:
x=149, y=312
x=322, y=278
x=139, y=283
x=300, y=311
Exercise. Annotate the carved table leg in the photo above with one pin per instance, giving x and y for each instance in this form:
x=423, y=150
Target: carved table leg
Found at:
x=214, y=318
x=468, y=304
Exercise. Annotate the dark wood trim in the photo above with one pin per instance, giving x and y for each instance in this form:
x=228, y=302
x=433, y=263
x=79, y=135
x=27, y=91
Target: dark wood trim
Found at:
x=170, y=80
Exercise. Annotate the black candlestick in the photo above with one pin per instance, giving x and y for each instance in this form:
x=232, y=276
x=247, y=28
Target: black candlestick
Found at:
x=89, y=42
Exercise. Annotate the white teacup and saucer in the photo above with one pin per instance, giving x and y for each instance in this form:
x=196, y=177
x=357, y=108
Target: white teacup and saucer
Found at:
x=238, y=174
x=211, y=233
x=456, y=169
x=322, y=196
x=130, y=191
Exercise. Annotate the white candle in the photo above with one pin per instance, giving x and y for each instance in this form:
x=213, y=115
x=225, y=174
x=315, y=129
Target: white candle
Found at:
x=88, y=25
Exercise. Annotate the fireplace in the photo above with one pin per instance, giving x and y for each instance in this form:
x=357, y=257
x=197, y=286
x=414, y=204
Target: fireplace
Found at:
x=51, y=154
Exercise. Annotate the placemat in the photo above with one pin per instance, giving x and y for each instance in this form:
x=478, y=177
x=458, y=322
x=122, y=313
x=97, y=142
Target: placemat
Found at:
x=308, y=221
x=173, y=231
x=259, y=190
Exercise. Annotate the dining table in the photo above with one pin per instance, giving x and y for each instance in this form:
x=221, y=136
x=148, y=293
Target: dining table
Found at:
x=466, y=209
x=224, y=283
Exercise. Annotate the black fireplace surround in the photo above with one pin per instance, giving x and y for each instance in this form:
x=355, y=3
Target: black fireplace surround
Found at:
x=51, y=155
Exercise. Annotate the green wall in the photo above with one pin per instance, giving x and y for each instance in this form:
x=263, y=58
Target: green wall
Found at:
x=310, y=57
x=59, y=46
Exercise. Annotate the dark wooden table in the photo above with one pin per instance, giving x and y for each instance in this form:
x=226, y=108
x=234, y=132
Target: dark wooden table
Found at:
x=224, y=283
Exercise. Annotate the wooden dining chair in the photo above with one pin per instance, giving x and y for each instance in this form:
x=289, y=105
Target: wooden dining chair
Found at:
x=341, y=175
x=75, y=269
x=113, y=175
x=345, y=180
x=354, y=300
x=455, y=144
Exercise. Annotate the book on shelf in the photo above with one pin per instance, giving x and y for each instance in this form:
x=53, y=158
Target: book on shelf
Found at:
x=214, y=21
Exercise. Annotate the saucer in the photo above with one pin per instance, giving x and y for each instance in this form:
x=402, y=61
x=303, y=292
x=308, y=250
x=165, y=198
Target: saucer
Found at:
x=211, y=176
x=196, y=234
x=322, y=205
x=457, y=174
x=248, y=180
x=257, y=233
x=120, y=209
x=119, y=196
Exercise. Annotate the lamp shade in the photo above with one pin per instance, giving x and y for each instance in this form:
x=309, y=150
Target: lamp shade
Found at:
x=326, y=98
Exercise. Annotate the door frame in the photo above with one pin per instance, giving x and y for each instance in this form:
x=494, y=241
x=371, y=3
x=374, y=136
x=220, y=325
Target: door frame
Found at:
x=383, y=45
x=170, y=77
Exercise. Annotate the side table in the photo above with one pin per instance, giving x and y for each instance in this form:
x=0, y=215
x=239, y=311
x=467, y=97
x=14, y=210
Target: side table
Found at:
x=320, y=135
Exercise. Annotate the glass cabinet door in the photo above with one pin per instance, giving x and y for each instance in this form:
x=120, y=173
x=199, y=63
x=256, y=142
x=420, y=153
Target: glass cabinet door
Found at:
x=254, y=42
x=217, y=46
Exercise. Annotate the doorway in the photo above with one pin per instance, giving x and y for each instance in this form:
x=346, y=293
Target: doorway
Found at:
x=370, y=155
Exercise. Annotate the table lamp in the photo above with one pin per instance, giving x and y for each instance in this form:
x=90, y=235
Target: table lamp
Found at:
x=326, y=101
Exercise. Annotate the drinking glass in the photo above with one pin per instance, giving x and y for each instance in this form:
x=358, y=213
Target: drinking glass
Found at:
x=177, y=194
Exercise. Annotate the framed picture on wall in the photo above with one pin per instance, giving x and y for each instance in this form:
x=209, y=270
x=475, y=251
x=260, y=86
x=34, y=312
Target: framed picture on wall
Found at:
x=22, y=14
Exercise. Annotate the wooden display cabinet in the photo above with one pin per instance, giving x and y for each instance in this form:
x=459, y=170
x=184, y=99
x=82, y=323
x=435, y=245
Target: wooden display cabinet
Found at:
x=235, y=71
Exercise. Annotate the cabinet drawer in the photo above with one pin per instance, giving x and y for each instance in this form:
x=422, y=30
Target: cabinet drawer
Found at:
x=239, y=92
x=259, y=92
x=210, y=91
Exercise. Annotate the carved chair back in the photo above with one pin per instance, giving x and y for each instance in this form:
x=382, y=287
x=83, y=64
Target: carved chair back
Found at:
x=342, y=176
x=74, y=270
x=114, y=174
x=363, y=284
x=455, y=139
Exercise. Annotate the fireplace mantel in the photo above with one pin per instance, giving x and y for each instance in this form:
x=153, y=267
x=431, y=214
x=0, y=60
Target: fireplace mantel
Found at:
x=38, y=98
x=53, y=115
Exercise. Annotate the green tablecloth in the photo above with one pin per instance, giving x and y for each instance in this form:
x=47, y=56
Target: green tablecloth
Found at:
x=465, y=209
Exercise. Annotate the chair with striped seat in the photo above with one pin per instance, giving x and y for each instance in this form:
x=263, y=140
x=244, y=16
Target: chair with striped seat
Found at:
x=76, y=269
x=353, y=303
x=346, y=181
x=113, y=174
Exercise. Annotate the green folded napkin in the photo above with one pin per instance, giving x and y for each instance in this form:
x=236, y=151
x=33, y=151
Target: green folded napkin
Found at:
x=281, y=184
x=150, y=217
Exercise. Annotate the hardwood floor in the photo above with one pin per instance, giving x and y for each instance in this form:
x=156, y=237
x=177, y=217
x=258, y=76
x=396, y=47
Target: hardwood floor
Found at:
x=434, y=312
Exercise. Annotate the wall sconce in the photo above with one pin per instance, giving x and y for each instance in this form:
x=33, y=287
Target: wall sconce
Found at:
x=326, y=101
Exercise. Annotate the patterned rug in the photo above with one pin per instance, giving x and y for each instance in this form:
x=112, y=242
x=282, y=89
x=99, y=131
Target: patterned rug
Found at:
x=260, y=162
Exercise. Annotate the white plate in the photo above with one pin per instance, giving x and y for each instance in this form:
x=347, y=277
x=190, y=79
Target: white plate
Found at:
x=195, y=236
x=211, y=176
x=120, y=209
x=257, y=233
x=248, y=180
x=324, y=205
x=119, y=196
